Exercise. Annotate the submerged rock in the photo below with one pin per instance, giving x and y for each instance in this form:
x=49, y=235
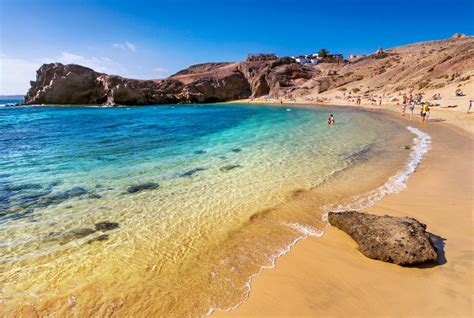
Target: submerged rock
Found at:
x=106, y=226
x=191, y=172
x=402, y=241
x=57, y=198
x=70, y=235
x=200, y=152
x=74, y=192
x=236, y=150
x=103, y=237
x=229, y=167
x=141, y=187
x=55, y=183
x=23, y=187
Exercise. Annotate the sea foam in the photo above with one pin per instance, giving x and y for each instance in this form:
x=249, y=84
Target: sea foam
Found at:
x=395, y=184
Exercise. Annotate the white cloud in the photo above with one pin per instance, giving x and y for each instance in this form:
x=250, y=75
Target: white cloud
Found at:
x=125, y=46
x=160, y=72
x=99, y=64
x=16, y=74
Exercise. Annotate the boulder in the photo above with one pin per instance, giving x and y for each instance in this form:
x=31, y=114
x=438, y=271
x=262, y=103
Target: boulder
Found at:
x=191, y=172
x=70, y=235
x=106, y=226
x=403, y=241
x=141, y=187
x=229, y=167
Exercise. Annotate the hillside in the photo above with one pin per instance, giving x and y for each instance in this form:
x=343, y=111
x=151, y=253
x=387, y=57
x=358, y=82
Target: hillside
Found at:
x=445, y=66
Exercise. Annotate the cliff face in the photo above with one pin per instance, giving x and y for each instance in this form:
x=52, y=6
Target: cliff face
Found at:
x=214, y=82
x=67, y=84
x=411, y=67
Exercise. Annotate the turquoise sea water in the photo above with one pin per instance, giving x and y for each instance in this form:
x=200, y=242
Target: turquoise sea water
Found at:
x=207, y=170
x=10, y=101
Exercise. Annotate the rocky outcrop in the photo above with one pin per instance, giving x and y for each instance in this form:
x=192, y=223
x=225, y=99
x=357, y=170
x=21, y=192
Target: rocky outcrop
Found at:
x=403, y=241
x=74, y=84
x=66, y=84
x=213, y=82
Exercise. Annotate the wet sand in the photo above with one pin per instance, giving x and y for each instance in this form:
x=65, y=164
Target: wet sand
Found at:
x=328, y=277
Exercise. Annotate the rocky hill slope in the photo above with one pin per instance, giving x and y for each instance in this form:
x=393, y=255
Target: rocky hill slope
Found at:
x=410, y=68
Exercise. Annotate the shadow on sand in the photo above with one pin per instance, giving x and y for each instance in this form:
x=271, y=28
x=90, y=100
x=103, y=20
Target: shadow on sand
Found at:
x=439, y=243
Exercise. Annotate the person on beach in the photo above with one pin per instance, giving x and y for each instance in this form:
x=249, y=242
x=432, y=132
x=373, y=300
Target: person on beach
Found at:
x=469, y=107
x=404, y=109
x=380, y=100
x=425, y=110
x=331, y=120
x=411, y=108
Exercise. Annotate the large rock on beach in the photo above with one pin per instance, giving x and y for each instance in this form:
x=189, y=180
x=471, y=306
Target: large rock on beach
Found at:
x=403, y=241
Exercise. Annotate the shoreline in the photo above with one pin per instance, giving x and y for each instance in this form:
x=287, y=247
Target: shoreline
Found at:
x=311, y=273
x=460, y=121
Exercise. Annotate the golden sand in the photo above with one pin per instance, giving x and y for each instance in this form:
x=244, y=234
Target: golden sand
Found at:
x=328, y=277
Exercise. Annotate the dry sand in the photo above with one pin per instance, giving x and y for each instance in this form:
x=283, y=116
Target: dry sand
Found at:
x=328, y=277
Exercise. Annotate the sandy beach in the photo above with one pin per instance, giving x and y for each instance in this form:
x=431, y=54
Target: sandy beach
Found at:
x=328, y=277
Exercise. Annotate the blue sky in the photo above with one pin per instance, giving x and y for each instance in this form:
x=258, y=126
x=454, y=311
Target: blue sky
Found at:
x=153, y=39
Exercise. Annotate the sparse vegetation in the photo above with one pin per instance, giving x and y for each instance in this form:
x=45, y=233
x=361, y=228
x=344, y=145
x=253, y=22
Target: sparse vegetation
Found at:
x=400, y=88
x=439, y=85
x=447, y=58
x=423, y=84
x=323, y=53
x=355, y=90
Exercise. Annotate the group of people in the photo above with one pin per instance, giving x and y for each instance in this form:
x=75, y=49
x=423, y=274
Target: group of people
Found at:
x=411, y=101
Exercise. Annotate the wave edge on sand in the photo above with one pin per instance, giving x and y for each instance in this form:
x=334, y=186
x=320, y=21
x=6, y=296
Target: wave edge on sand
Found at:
x=395, y=184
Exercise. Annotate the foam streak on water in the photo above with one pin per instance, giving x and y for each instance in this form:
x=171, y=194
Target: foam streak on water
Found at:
x=396, y=183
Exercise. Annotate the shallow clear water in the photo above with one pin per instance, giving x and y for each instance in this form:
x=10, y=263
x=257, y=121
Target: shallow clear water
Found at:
x=213, y=173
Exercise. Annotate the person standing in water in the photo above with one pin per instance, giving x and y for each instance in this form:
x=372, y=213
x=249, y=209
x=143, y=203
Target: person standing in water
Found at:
x=412, y=108
x=331, y=120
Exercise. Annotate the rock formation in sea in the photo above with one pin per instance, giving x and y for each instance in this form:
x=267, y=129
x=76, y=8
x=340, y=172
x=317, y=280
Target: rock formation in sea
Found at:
x=414, y=67
x=403, y=241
